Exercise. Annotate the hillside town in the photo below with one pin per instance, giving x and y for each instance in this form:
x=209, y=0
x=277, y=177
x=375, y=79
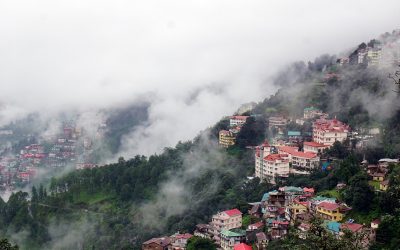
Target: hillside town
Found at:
x=288, y=153
x=22, y=164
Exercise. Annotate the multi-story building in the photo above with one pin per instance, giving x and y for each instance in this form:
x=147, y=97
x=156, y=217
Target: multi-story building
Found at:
x=275, y=166
x=374, y=56
x=328, y=131
x=230, y=238
x=226, y=138
x=329, y=211
x=277, y=122
x=227, y=220
x=179, y=241
x=313, y=147
x=311, y=112
x=303, y=161
x=237, y=120
x=261, y=152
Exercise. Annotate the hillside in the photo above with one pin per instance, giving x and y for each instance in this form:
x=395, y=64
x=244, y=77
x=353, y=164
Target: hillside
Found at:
x=121, y=205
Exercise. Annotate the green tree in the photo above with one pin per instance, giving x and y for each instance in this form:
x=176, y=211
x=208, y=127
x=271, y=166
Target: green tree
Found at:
x=6, y=245
x=359, y=194
x=197, y=243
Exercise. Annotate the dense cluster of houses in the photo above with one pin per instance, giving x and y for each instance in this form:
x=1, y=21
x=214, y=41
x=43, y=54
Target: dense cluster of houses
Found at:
x=283, y=157
x=384, y=52
x=270, y=220
x=68, y=147
x=378, y=172
x=228, y=137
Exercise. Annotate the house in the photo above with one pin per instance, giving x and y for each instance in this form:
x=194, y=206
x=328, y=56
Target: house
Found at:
x=378, y=176
x=203, y=231
x=353, y=227
x=237, y=120
x=375, y=223
x=329, y=131
x=261, y=240
x=384, y=185
x=179, y=241
x=226, y=138
x=294, y=136
x=225, y=220
x=256, y=226
x=314, y=147
x=242, y=246
x=163, y=243
x=232, y=237
x=298, y=207
x=255, y=210
x=329, y=211
x=303, y=228
x=279, y=229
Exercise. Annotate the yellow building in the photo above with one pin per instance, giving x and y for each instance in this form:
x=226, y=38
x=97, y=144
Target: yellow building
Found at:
x=384, y=185
x=226, y=138
x=329, y=211
x=298, y=208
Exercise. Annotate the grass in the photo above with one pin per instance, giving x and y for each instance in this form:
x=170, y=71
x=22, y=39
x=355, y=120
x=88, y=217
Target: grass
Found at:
x=91, y=199
x=374, y=184
x=333, y=193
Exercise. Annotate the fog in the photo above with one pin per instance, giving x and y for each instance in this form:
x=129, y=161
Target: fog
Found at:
x=195, y=60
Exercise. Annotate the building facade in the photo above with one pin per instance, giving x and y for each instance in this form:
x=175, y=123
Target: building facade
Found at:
x=326, y=131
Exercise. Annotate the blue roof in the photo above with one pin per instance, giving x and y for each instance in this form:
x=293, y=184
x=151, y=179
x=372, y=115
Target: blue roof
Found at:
x=294, y=133
x=333, y=226
x=266, y=195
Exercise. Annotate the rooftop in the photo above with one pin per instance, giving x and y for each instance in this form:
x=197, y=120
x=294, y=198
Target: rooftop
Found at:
x=242, y=246
x=233, y=212
x=328, y=205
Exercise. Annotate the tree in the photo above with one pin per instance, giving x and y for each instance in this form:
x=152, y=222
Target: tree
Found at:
x=6, y=245
x=359, y=193
x=197, y=243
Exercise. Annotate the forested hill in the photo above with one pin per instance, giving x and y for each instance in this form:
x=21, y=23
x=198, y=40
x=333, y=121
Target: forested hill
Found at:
x=118, y=206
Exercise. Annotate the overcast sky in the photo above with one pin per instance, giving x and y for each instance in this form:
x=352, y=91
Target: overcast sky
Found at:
x=89, y=54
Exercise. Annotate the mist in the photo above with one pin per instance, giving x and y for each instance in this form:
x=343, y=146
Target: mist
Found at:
x=195, y=60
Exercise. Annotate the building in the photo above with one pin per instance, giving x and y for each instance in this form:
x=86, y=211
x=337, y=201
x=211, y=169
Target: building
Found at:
x=384, y=185
x=230, y=238
x=237, y=120
x=242, y=246
x=374, y=56
x=378, y=176
x=329, y=211
x=311, y=112
x=275, y=166
x=277, y=122
x=226, y=138
x=225, y=220
x=313, y=147
x=326, y=131
x=179, y=241
x=261, y=152
x=375, y=223
x=301, y=161
x=163, y=243
x=353, y=227
x=294, y=136
x=203, y=231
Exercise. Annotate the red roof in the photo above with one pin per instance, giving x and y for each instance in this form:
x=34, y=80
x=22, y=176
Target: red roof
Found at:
x=294, y=152
x=328, y=205
x=308, y=190
x=314, y=144
x=233, y=212
x=239, y=117
x=376, y=221
x=242, y=246
x=280, y=222
x=183, y=236
x=257, y=224
x=274, y=157
x=354, y=227
x=331, y=125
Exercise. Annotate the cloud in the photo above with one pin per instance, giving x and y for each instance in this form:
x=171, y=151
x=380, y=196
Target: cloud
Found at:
x=66, y=55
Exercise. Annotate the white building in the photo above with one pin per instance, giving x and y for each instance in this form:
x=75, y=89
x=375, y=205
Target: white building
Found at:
x=237, y=120
x=328, y=131
x=301, y=161
x=313, y=147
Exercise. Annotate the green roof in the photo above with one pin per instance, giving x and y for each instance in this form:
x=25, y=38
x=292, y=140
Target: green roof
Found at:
x=310, y=108
x=322, y=198
x=235, y=233
x=292, y=189
x=293, y=133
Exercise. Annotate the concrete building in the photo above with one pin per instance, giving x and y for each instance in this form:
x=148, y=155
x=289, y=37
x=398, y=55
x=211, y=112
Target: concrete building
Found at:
x=237, y=120
x=326, y=131
x=226, y=138
x=314, y=147
x=225, y=220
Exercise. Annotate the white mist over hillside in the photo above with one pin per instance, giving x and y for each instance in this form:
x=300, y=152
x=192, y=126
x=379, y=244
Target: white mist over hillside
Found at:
x=194, y=60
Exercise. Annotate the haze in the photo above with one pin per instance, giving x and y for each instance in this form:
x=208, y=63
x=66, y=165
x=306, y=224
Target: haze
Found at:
x=195, y=61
